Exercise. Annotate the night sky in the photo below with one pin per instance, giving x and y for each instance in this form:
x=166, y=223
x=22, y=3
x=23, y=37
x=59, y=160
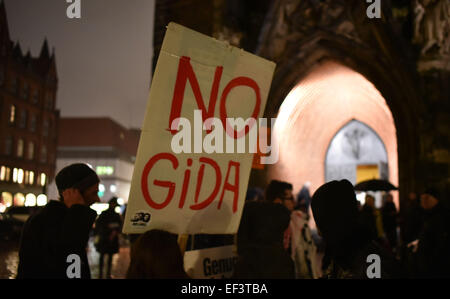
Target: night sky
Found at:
x=103, y=59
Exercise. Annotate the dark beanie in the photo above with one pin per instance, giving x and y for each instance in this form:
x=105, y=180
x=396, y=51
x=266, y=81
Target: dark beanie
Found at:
x=335, y=209
x=78, y=176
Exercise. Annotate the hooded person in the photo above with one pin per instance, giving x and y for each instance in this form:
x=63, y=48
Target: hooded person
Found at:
x=347, y=244
x=53, y=241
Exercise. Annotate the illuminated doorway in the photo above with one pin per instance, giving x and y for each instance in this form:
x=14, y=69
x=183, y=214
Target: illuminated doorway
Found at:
x=356, y=153
x=330, y=98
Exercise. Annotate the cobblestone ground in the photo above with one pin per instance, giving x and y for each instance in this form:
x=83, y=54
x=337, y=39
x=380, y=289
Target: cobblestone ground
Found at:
x=9, y=260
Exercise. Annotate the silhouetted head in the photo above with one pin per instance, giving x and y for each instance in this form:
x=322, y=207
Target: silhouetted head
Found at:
x=370, y=201
x=78, y=176
x=280, y=192
x=412, y=196
x=113, y=202
x=254, y=194
x=335, y=210
x=429, y=198
x=156, y=254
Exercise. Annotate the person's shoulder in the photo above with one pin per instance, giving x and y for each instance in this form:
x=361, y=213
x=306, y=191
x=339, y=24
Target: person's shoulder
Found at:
x=45, y=216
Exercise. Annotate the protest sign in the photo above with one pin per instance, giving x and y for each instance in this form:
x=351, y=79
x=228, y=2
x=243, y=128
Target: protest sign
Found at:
x=188, y=176
x=217, y=262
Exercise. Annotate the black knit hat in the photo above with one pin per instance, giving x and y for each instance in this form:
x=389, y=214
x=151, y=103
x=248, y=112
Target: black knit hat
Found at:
x=78, y=176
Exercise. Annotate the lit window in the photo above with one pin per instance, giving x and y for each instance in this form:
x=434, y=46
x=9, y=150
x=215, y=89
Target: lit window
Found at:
x=8, y=174
x=104, y=170
x=12, y=114
x=19, y=200
x=2, y=173
x=31, y=178
x=30, y=150
x=7, y=199
x=41, y=200
x=20, y=148
x=43, y=179
x=15, y=175
x=20, y=176
x=30, y=200
x=101, y=190
x=27, y=175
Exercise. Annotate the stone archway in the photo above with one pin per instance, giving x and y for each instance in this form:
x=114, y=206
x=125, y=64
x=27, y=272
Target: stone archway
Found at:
x=321, y=104
x=299, y=35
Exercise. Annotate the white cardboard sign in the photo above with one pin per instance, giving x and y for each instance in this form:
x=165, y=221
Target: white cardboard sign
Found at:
x=195, y=191
x=217, y=262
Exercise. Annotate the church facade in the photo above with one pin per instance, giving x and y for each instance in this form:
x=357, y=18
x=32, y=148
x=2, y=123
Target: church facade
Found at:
x=404, y=56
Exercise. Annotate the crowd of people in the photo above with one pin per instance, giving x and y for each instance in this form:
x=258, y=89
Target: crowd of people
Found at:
x=276, y=237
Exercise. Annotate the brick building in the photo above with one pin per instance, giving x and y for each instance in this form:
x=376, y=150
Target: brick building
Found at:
x=28, y=120
x=106, y=146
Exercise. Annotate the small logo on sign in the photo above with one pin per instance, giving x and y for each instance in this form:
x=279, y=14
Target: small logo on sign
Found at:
x=140, y=219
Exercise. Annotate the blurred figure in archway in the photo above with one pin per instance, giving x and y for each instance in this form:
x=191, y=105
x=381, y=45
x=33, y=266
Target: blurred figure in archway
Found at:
x=304, y=198
x=389, y=216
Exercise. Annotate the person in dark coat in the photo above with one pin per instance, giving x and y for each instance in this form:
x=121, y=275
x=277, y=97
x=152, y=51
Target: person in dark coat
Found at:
x=389, y=215
x=368, y=218
x=107, y=230
x=412, y=221
x=433, y=245
x=261, y=254
x=53, y=241
x=412, y=215
x=347, y=243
